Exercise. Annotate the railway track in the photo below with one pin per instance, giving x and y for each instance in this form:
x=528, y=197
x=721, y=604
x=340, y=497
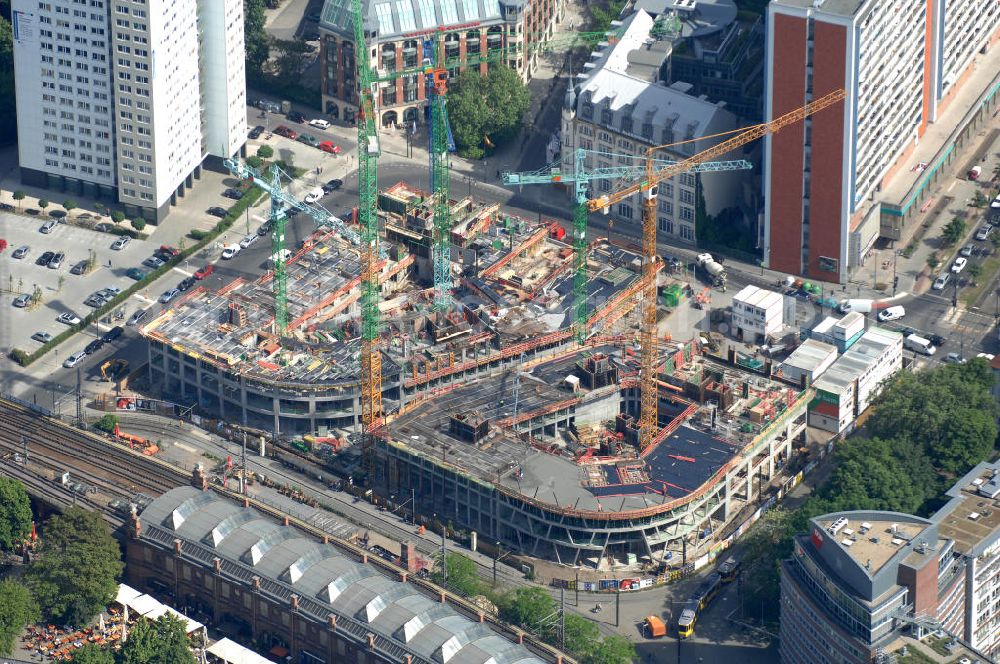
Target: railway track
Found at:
x=112, y=469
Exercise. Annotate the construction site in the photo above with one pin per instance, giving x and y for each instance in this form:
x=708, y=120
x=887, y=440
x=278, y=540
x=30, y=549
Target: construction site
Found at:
x=514, y=376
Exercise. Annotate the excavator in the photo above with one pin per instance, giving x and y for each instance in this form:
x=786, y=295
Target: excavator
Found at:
x=114, y=369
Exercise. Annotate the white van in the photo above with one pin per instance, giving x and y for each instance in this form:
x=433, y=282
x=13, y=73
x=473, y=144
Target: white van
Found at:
x=861, y=306
x=313, y=195
x=230, y=251
x=919, y=345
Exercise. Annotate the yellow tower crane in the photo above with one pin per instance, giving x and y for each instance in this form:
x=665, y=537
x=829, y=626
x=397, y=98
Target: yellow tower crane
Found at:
x=654, y=174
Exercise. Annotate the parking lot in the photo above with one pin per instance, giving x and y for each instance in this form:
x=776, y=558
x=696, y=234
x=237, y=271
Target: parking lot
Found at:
x=61, y=290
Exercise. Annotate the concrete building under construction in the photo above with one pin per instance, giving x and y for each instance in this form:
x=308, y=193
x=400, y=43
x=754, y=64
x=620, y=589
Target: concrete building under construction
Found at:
x=498, y=419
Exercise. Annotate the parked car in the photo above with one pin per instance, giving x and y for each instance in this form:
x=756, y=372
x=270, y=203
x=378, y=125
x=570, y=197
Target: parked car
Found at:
x=3, y=244
x=332, y=185
x=264, y=229
x=268, y=105
x=255, y=133
x=319, y=123
x=153, y=262
x=282, y=130
x=95, y=301
x=121, y=243
x=80, y=267
x=109, y=292
x=113, y=334
x=186, y=284
x=329, y=147
x=47, y=227
x=309, y=140
x=169, y=295
x=892, y=313
x=937, y=339
x=218, y=211
x=235, y=194
x=959, y=264
x=68, y=319
x=22, y=300
x=295, y=116
x=56, y=261
x=984, y=233
x=204, y=272
x=44, y=258
x=94, y=346
x=941, y=281
x=953, y=358
x=136, y=318
x=966, y=251
x=21, y=251
x=248, y=240
x=313, y=195
x=74, y=359
x=42, y=337
x=135, y=273
x=230, y=251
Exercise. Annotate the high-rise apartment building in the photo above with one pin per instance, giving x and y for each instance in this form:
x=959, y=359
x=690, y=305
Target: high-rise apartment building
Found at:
x=859, y=580
x=900, y=62
x=124, y=100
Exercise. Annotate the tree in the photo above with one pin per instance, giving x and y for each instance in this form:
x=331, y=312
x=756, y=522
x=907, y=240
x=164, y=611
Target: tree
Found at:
x=69, y=205
x=117, y=216
x=100, y=208
x=462, y=575
x=8, y=111
x=77, y=571
x=293, y=56
x=532, y=608
x=265, y=152
x=164, y=641
x=953, y=231
x=18, y=196
x=867, y=478
x=253, y=161
x=107, y=423
x=979, y=199
x=17, y=609
x=60, y=283
x=91, y=653
x=486, y=110
x=612, y=650
x=42, y=203
x=15, y=513
x=582, y=635
x=138, y=223
x=254, y=36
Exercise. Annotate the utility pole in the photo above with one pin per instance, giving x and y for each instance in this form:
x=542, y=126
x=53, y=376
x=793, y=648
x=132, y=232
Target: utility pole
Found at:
x=496, y=557
x=79, y=398
x=243, y=466
x=562, y=619
x=618, y=604
x=577, y=588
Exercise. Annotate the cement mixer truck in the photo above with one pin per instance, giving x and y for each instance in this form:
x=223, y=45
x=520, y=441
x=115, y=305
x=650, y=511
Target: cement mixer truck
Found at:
x=714, y=270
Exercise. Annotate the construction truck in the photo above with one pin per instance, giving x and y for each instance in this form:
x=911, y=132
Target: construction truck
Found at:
x=715, y=271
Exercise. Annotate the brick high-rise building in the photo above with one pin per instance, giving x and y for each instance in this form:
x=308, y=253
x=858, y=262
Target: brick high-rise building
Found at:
x=901, y=62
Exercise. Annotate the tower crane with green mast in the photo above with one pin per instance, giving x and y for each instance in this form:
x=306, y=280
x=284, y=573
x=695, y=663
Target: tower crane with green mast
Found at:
x=580, y=178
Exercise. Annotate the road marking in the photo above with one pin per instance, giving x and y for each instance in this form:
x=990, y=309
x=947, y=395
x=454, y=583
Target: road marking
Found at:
x=184, y=272
x=186, y=447
x=145, y=299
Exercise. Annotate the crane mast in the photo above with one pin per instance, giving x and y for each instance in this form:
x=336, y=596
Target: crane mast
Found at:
x=647, y=187
x=440, y=144
x=368, y=152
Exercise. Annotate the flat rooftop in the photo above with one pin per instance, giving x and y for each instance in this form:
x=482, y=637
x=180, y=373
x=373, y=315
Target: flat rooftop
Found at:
x=873, y=539
x=972, y=519
x=810, y=355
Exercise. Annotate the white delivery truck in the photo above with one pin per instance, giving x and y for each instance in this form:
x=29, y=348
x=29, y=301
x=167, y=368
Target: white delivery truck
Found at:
x=919, y=345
